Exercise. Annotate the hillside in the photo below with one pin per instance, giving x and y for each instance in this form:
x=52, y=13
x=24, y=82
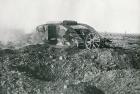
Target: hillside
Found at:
x=42, y=69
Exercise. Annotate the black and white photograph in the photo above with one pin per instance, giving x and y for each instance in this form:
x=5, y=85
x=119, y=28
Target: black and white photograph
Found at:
x=69, y=46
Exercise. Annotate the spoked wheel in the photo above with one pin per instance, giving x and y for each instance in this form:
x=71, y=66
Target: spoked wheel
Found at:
x=92, y=41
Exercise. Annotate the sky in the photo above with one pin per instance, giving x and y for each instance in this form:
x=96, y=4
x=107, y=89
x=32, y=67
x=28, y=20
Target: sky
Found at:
x=116, y=16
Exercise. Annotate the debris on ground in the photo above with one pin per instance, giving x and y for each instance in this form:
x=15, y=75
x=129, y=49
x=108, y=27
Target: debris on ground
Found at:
x=41, y=69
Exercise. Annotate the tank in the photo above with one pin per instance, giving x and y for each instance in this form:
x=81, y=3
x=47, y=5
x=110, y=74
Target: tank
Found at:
x=69, y=33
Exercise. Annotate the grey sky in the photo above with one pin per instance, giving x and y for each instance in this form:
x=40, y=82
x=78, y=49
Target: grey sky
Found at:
x=104, y=15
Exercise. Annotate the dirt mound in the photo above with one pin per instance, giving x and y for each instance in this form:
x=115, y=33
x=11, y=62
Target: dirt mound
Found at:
x=40, y=60
x=41, y=68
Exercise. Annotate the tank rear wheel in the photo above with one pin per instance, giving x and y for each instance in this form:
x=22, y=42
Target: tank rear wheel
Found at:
x=92, y=41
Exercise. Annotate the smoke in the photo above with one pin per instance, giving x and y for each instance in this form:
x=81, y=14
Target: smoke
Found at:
x=11, y=35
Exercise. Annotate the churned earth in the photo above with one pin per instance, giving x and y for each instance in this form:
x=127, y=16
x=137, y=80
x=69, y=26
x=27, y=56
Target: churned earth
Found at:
x=42, y=69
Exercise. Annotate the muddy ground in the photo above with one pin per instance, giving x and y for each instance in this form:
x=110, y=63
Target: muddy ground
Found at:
x=41, y=69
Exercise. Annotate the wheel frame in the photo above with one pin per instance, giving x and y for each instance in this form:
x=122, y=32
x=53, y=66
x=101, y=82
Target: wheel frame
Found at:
x=92, y=41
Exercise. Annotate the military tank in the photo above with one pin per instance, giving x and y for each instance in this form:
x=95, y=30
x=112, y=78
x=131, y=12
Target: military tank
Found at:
x=69, y=33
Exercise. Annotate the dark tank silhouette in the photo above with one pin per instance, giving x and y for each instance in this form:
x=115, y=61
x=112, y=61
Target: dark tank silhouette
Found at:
x=69, y=33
